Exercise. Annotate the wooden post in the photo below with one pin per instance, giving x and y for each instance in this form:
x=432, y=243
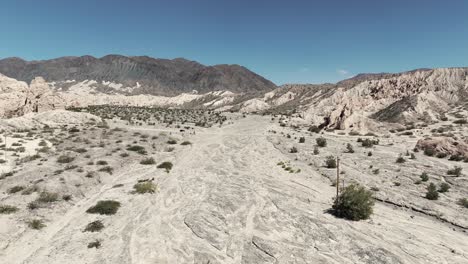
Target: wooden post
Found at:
x=337, y=177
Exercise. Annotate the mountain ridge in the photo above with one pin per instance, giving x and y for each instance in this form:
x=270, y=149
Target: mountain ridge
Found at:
x=167, y=77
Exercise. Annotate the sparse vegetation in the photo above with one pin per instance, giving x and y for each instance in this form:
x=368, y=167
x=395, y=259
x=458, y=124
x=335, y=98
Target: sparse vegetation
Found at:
x=456, y=171
x=330, y=162
x=444, y=187
x=65, y=159
x=165, y=165
x=105, y=207
x=432, y=193
x=321, y=142
x=354, y=203
x=95, y=244
x=36, y=224
x=8, y=209
x=148, y=161
x=94, y=226
x=424, y=177
x=145, y=187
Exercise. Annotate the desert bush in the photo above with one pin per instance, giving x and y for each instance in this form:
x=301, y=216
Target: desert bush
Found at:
x=368, y=143
x=314, y=129
x=136, y=148
x=293, y=150
x=369, y=154
x=354, y=203
x=456, y=157
x=460, y=121
x=66, y=197
x=105, y=207
x=456, y=171
x=429, y=152
x=101, y=162
x=185, y=143
x=172, y=141
x=107, y=169
x=444, y=187
x=36, y=224
x=321, y=142
x=148, y=161
x=354, y=133
x=124, y=155
x=400, y=159
x=432, y=193
x=15, y=189
x=81, y=150
x=8, y=209
x=463, y=202
x=94, y=226
x=165, y=165
x=316, y=150
x=441, y=155
x=145, y=187
x=301, y=139
x=65, y=159
x=47, y=197
x=330, y=162
x=349, y=148
x=95, y=244
x=424, y=177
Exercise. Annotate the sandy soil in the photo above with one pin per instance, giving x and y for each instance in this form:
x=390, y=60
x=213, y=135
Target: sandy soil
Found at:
x=225, y=201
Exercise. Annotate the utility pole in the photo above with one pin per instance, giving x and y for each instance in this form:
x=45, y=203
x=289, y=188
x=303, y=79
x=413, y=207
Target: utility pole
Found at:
x=337, y=177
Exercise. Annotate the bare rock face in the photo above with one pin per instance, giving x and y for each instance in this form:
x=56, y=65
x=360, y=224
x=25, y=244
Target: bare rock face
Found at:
x=17, y=98
x=401, y=98
x=444, y=145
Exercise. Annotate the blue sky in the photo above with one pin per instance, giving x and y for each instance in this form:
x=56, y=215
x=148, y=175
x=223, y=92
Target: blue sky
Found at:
x=286, y=41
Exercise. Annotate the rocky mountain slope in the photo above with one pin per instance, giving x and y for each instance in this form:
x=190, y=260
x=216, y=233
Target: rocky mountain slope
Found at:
x=141, y=75
x=359, y=103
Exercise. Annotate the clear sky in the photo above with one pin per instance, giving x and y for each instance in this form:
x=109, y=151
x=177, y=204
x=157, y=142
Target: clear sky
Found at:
x=287, y=41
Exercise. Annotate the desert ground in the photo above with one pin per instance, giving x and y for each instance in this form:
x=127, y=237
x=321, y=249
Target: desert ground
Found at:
x=234, y=192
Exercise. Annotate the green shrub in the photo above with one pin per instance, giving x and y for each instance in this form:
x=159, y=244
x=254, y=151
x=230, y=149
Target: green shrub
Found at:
x=94, y=226
x=145, y=187
x=316, y=150
x=368, y=143
x=444, y=187
x=105, y=207
x=65, y=159
x=107, y=169
x=432, y=193
x=463, y=202
x=95, y=244
x=314, y=129
x=424, y=177
x=15, y=189
x=321, y=142
x=47, y=197
x=165, y=165
x=456, y=171
x=354, y=203
x=172, y=141
x=36, y=224
x=429, y=152
x=349, y=148
x=148, y=161
x=8, y=209
x=330, y=162
x=400, y=159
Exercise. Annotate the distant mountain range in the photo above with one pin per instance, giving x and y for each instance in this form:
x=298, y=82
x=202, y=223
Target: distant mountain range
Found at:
x=145, y=74
x=362, y=102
